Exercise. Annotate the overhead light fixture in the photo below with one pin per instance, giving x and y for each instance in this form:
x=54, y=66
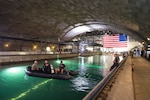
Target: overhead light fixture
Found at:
x=6, y=45
x=34, y=47
x=48, y=48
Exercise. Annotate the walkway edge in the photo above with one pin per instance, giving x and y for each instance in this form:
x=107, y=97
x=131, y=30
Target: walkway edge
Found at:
x=123, y=87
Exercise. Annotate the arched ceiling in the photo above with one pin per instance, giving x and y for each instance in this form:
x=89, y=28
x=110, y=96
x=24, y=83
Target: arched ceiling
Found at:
x=50, y=20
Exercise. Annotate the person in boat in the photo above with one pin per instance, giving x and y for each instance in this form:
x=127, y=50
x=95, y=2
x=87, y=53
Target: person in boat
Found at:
x=46, y=67
x=52, y=69
x=61, y=68
x=35, y=66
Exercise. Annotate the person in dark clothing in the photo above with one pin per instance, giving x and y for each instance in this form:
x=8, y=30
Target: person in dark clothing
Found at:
x=142, y=52
x=61, y=68
x=46, y=67
x=124, y=55
x=115, y=62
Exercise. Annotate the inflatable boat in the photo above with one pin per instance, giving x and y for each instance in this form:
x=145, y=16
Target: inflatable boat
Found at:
x=67, y=75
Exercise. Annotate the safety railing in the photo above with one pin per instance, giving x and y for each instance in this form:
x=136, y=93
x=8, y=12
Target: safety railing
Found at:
x=94, y=93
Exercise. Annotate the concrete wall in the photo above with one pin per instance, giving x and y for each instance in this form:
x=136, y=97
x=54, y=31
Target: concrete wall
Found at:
x=23, y=58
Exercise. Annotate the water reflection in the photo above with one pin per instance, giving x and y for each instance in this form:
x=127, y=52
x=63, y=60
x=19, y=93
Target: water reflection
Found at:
x=23, y=94
x=12, y=74
x=83, y=84
x=91, y=70
x=90, y=73
x=82, y=63
x=80, y=84
x=90, y=60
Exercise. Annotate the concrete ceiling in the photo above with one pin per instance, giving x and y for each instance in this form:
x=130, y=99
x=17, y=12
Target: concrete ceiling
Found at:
x=52, y=20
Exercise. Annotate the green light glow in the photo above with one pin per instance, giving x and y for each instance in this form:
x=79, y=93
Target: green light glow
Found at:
x=57, y=61
x=92, y=66
x=14, y=70
x=58, y=57
x=29, y=90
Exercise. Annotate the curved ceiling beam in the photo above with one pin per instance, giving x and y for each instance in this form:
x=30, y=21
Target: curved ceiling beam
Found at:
x=81, y=28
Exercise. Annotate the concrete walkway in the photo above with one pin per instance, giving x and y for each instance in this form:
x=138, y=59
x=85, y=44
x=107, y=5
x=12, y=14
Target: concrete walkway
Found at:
x=132, y=85
x=141, y=78
x=123, y=87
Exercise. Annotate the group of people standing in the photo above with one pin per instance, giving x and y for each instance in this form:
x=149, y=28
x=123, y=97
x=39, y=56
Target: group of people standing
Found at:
x=48, y=68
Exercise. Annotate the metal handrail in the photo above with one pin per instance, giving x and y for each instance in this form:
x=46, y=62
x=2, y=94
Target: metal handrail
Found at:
x=93, y=94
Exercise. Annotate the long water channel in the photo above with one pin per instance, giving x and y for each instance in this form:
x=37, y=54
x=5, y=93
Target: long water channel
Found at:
x=16, y=85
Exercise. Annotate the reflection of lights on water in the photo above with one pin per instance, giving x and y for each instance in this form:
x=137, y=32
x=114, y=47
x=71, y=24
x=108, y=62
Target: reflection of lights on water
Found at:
x=14, y=70
x=94, y=66
x=81, y=84
x=25, y=77
x=13, y=73
x=58, y=61
x=29, y=90
x=105, y=71
x=90, y=59
x=82, y=61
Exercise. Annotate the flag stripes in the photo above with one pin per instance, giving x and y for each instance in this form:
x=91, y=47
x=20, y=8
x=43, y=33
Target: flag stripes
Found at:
x=114, y=41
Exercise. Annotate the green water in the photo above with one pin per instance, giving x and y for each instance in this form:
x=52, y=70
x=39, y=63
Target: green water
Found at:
x=16, y=85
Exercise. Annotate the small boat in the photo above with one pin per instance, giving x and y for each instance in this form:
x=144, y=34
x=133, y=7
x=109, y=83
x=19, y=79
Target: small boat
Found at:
x=67, y=75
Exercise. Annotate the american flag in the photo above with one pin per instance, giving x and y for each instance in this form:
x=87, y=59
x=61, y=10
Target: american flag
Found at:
x=115, y=41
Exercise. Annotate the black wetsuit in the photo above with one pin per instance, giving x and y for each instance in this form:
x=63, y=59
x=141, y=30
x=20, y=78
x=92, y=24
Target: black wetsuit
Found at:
x=116, y=63
x=47, y=69
x=62, y=66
